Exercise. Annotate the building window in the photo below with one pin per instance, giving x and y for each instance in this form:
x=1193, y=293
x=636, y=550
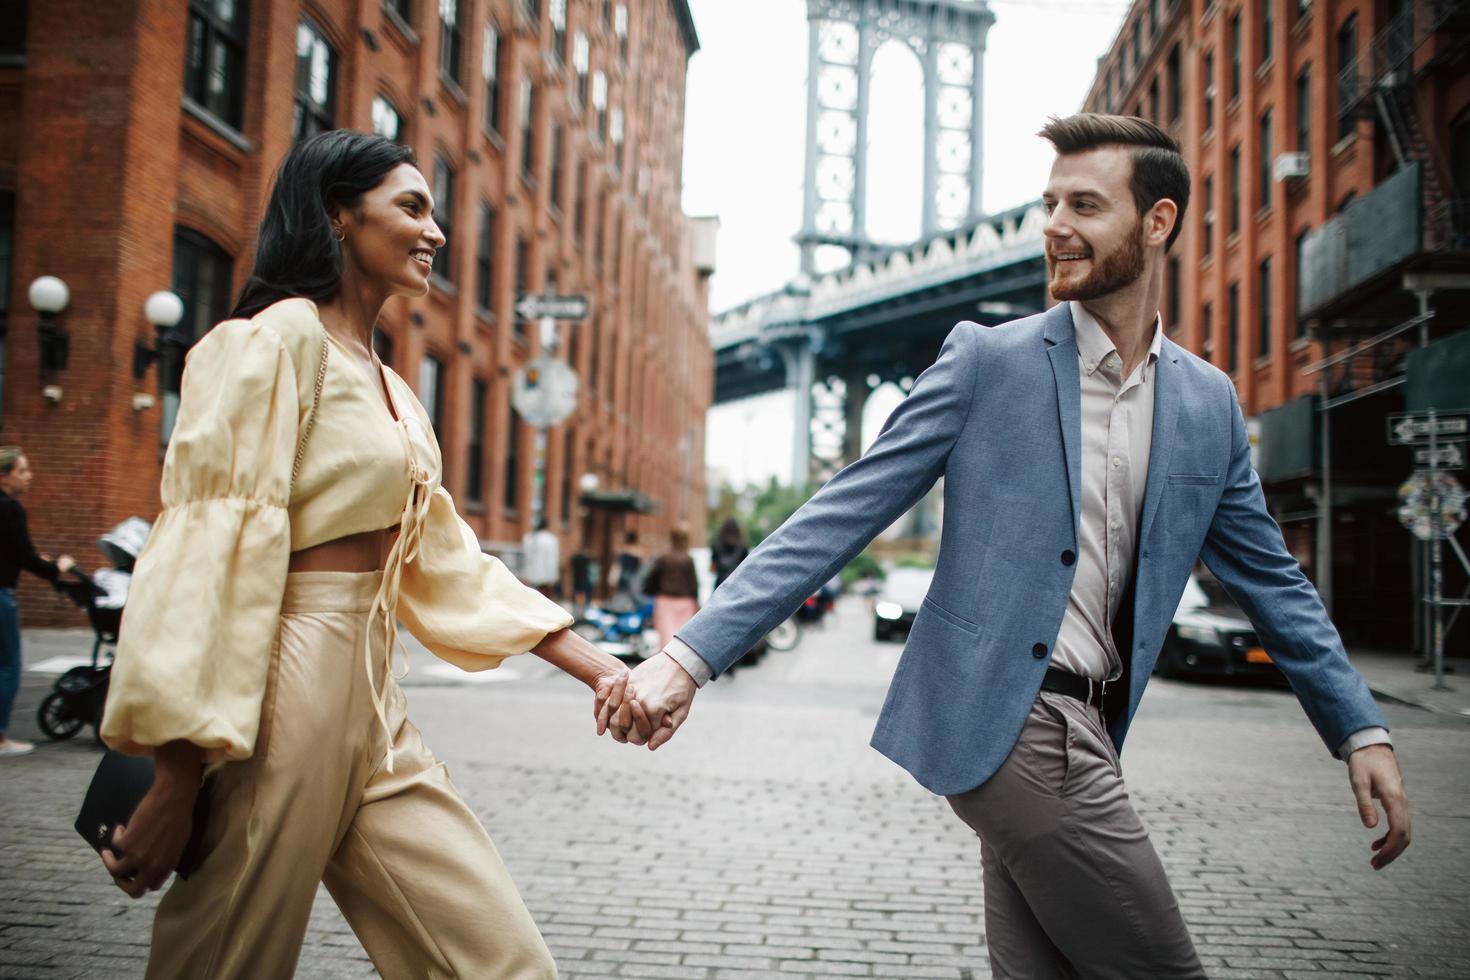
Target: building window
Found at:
x=594, y=357
x=1235, y=189
x=1208, y=238
x=1301, y=240
x=1153, y=17
x=1153, y=101
x=431, y=390
x=214, y=66
x=1263, y=303
x=1209, y=90
x=491, y=71
x=579, y=201
x=1232, y=330
x=1137, y=43
x=615, y=125
x=1174, y=286
x=582, y=62
x=1347, y=79
x=523, y=270
x=14, y=16
x=620, y=27
x=607, y=16
x=528, y=129
x=599, y=103
x=451, y=39
x=444, y=214
x=474, y=484
x=1207, y=331
x=484, y=267
x=7, y=248
x=316, y=83
x=383, y=346
x=1176, y=85
x=512, y=461
x=1304, y=110
x=403, y=8
x=387, y=121
x=557, y=196
x=1235, y=42
x=559, y=29
x=566, y=476
x=1268, y=30
x=1264, y=194
x=203, y=279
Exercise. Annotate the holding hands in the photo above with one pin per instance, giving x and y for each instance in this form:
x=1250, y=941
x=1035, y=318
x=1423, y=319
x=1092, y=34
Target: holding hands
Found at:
x=664, y=693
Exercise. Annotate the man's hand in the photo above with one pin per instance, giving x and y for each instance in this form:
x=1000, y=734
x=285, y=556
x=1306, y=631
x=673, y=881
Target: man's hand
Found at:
x=665, y=692
x=1373, y=772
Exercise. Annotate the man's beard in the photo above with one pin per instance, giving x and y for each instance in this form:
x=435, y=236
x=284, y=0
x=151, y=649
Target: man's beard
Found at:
x=1120, y=268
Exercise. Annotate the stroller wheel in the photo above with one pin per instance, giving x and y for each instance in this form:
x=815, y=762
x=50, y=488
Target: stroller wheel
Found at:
x=58, y=716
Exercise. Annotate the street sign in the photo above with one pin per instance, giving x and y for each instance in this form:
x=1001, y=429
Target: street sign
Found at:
x=1447, y=456
x=1418, y=497
x=1409, y=428
x=536, y=306
x=545, y=391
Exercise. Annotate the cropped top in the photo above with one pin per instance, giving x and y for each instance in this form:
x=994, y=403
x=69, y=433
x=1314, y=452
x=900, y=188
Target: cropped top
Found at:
x=196, y=639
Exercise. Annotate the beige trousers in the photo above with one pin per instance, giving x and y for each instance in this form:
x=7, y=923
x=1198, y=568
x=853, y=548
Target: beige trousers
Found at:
x=407, y=862
x=1073, y=886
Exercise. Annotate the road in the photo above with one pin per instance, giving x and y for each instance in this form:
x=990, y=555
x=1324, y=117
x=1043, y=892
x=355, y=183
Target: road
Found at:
x=768, y=840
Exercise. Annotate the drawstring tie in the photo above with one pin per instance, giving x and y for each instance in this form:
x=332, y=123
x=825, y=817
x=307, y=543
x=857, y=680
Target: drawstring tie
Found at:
x=385, y=604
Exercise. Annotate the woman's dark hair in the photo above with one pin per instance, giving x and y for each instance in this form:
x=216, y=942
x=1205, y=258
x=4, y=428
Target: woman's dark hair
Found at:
x=297, y=253
x=731, y=536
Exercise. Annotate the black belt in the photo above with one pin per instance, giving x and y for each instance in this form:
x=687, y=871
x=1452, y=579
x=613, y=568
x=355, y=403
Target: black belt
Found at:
x=1084, y=689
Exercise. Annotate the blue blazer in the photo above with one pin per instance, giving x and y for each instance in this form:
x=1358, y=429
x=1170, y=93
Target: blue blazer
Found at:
x=998, y=415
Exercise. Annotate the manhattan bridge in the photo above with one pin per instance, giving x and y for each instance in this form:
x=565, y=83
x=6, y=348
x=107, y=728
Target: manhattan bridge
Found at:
x=831, y=337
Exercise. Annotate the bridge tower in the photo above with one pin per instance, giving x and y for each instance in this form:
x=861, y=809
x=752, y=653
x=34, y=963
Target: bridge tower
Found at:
x=948, y=36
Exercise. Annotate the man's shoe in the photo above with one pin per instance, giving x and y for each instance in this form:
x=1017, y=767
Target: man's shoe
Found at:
x=14, y=747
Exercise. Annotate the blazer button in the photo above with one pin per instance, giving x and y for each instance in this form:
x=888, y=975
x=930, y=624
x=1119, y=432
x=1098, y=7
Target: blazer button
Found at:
x=1068, y=557
x=1039, y=651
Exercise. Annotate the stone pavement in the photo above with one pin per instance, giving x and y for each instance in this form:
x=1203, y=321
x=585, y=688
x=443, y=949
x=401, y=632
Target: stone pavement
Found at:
x=769, y=841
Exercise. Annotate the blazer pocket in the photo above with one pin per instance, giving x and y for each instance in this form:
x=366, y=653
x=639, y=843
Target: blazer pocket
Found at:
x=939, y=612
x=1193, y=479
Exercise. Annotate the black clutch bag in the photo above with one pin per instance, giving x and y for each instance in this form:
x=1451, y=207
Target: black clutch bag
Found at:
x=118, y=786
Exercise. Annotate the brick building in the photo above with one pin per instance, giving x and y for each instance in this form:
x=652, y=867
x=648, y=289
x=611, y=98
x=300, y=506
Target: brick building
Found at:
x=137, y=143
x=1329, y=143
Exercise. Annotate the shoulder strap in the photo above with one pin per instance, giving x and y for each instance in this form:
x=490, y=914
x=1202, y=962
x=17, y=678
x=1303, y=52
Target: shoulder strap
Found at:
x=316, y=400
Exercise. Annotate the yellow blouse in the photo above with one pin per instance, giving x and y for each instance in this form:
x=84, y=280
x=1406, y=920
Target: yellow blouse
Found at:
x=206, y=594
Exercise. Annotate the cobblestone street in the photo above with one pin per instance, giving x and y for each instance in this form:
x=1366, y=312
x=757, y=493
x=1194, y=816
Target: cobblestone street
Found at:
x=768, y=840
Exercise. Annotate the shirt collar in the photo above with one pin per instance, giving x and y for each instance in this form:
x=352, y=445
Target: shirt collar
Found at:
x=1093, y=344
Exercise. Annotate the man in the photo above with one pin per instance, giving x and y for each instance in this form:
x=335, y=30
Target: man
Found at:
x=1088, y=463
x=541, y=562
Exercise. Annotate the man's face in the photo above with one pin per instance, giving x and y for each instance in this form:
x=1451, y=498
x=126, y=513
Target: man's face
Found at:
x=1094, y=235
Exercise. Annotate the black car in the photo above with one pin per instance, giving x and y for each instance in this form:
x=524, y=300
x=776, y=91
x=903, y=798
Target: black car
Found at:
x=1210, y=635
x=898, y=602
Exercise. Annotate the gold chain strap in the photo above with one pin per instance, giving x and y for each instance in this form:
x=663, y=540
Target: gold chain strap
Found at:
x=316, y=400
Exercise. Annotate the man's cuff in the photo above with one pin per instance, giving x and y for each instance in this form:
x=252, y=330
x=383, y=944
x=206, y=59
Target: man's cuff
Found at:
x=695, y=665
x=1362, y=738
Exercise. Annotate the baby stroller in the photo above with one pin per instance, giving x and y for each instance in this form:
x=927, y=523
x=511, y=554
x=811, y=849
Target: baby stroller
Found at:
x=78, y=696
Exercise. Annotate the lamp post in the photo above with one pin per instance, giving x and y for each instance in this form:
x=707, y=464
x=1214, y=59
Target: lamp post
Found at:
x=49, y=296
x=163, y=310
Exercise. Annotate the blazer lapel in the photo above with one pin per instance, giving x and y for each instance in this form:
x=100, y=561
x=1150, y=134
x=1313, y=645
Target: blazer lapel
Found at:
x=1061, y=337
x=1166, y=411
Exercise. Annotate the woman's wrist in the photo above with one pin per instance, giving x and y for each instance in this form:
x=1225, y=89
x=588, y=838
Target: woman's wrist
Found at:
x=178, y=768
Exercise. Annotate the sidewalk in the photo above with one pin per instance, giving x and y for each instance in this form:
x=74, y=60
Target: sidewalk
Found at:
x=1392, y=676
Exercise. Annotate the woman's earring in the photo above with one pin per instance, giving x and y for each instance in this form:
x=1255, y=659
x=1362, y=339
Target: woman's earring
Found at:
x=341, y=235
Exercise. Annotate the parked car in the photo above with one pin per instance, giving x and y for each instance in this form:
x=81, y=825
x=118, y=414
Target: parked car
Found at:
x=898, y=602
x=1210, y=635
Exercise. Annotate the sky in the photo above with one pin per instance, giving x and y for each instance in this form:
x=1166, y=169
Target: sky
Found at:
x=745, y=138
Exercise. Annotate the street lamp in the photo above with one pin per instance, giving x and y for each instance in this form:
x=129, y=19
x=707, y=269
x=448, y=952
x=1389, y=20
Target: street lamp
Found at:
x=49, y=296
x=164, y=310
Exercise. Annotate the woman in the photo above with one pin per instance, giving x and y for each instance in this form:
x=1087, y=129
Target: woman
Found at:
x=16, y=553
x=729, y=551
x=303, y=514
x=672, y=582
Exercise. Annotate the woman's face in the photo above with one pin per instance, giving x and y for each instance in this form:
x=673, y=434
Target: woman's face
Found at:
x=391, y=235
x=18, y=480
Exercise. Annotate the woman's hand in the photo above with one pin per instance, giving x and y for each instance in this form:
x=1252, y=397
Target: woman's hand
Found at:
x=615, y=704
x=159, y=828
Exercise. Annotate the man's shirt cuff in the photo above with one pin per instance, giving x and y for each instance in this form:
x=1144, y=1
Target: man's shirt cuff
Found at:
x=1361, y=738
x=692, y=662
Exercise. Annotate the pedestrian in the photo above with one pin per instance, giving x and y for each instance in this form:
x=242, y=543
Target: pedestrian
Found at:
x=16, y=553
x=1088, y=461
x=630, y=567
x=541, y=552
x=674, y=586
x=581, y=568
x=302, y=514
x=729, y=551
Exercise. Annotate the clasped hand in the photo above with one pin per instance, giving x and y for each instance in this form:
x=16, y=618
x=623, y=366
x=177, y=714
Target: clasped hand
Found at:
x=647, y=705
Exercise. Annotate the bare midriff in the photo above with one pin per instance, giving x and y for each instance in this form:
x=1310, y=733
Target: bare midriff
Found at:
x=363, y=552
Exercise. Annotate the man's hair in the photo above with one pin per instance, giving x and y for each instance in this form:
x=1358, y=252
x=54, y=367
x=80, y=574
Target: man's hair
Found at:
x=9, y=459
x=1159, y=170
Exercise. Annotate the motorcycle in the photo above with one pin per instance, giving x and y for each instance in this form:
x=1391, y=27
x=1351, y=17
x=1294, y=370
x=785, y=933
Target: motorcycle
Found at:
x=627, y=634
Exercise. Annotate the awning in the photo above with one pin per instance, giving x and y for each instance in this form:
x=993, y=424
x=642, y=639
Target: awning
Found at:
x=619, y=501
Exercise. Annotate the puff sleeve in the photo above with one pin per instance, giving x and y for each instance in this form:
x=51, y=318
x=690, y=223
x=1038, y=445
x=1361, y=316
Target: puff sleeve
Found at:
x=205, y=600
x=465, y=605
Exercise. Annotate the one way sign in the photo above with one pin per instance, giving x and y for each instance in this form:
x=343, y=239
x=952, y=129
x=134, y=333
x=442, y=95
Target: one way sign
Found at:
x=1448, y=456
x=1408, y=429
x=535, y=306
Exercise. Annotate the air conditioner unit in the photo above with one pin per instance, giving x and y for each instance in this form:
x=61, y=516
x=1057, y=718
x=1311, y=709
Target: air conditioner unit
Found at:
x=1289, y=166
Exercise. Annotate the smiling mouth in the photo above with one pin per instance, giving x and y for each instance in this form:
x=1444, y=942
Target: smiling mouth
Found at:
x=423, y=255
x=1069, y=256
